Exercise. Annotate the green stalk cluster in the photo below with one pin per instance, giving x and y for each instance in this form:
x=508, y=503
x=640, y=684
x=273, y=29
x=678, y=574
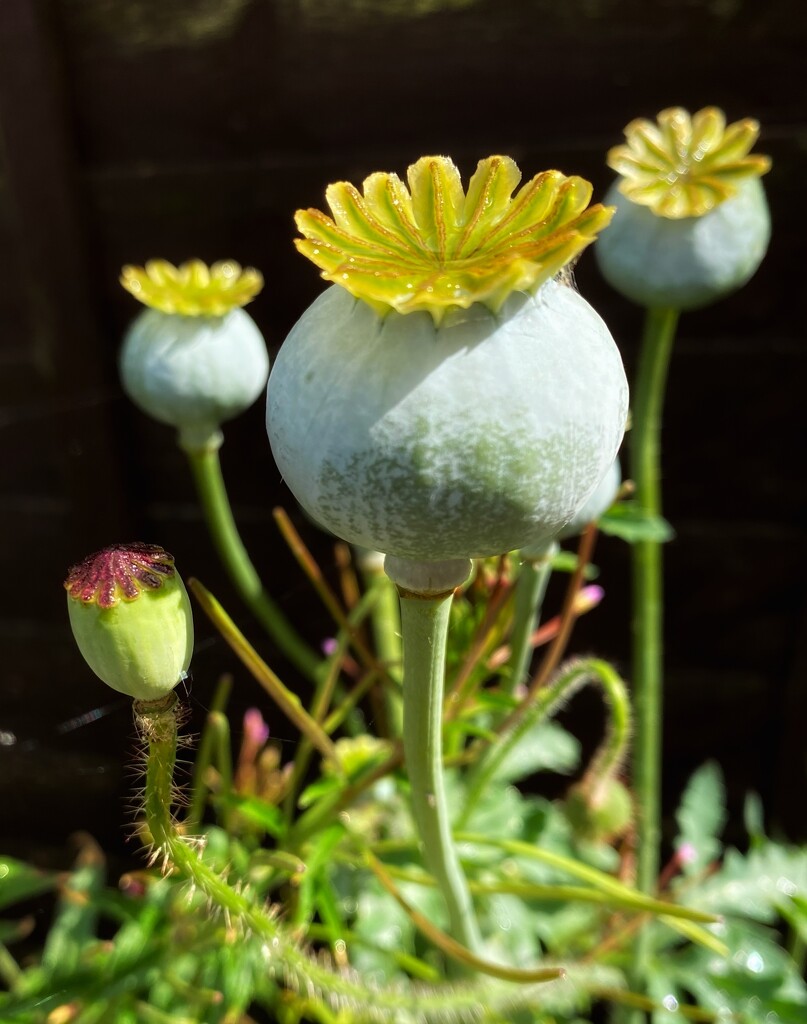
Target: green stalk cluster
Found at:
x=292, y=965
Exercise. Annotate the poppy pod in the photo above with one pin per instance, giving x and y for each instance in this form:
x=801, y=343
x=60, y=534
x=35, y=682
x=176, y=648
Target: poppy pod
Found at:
x=131, y=618
x=447, y=398
x=193, y=358
x=692, y=222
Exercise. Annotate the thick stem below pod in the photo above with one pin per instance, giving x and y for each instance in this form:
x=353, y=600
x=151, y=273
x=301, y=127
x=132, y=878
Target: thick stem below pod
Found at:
x=426, y=589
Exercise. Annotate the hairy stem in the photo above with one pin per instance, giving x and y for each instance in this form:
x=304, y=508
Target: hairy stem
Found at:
x=547, y=702
x=291, y=964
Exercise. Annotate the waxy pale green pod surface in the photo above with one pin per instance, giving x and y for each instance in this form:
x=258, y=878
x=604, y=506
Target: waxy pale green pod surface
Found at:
x=194, y=358
x=194, y=372
x=691, y=222
x=600, y=501
x=131, y=618
x=464, y=440
x=685, y=263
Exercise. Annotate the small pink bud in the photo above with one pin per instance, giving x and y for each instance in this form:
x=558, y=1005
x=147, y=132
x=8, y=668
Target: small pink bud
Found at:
x=686, y=853
x=587, y=598
x=256, y=731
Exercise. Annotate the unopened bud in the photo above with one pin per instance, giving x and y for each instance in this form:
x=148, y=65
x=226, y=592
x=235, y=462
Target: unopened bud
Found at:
x=599, y=816
x=131, y=617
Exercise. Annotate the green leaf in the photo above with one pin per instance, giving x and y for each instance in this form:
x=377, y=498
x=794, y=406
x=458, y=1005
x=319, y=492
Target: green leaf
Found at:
x=74, y=923
x=756, y=885
x=754, y=819
x=20, y=882
x=794, y=911
x=566, y=561
x=758, y=982
x=319, y=858
x=662, y=990
x=496, y=700
x=322, y=787
x=267, y=816
x=701, y=818
x=13, y=931
x=629, y=521
x=546, y=748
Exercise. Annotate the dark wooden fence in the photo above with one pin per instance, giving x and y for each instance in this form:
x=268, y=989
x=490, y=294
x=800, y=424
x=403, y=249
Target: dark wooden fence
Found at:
x=195, y=128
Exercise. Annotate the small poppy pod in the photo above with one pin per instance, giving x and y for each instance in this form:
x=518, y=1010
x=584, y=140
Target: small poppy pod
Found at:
x=692, y=221
x=194, y=359
x=131, y=618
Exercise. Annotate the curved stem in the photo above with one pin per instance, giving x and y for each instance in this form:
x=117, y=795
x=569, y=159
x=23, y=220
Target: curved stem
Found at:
x=549, y=700
x=206, y=469
x=424, y=624
x=648, y=609
x=288, y=701
x=533, y=577
x=286, y=959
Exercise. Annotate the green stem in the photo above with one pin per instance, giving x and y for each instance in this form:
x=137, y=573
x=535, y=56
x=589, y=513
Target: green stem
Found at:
x=648, y=400
x=424, y=624
x=286, y=700
x=533, y=577
x=386, y=625
x=10, y=971
x=549, y=700
x=321, y=702
x=206, y=468
x=286, y=959
x=204, y=755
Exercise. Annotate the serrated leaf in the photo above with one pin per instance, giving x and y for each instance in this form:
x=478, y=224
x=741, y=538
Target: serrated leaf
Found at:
x=755, y=982
x=548, y=748
x=755, y=885
x=701, y=818
x=629, y=521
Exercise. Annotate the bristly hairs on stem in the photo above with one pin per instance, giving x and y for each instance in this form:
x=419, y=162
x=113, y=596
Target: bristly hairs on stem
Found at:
x=295, y=967
x=548, y=701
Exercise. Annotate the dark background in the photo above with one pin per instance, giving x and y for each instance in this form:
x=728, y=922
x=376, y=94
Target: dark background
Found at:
x=195, y=128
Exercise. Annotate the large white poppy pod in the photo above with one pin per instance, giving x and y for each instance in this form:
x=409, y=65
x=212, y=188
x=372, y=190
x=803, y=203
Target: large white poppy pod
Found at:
x=447, y=398
x=692, y=222
x=194, y=358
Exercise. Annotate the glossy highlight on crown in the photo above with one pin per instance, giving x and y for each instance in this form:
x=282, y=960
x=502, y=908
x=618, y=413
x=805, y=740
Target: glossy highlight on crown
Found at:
x=683, y=165
x=119, y=572
x=192, y=288
x=430, y=244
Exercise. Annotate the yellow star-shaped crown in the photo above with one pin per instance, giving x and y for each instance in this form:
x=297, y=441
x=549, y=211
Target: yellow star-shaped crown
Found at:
x=433, y=246
x=682, y=166
x=193, y=288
